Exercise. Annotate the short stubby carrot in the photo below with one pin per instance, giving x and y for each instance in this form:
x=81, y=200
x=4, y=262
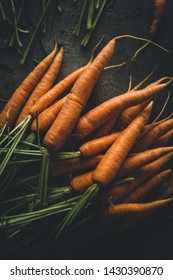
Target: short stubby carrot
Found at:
x=54, y=93
x=113, y=159
x=15, y=104
x=153, y=182
x=47, y=117
x=98, y=145
x=94, y=118
x=119, y=210
x=43, y=86
x=77, y=99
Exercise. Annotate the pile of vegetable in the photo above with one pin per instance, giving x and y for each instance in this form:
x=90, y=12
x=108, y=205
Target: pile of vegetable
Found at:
x=70, y=170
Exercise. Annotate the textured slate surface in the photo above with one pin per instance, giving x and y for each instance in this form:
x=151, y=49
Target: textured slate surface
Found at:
x=121, y=17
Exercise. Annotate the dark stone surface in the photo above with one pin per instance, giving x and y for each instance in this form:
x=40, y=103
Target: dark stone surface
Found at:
x=121, y=17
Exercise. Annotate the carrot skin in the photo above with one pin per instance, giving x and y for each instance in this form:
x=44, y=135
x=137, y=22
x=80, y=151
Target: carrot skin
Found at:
x=72, y=166
x=81, y=182
x=43, y=86
x=119, y=210
x=47, y=117
x=159, y=9
x=163, y=140
x=98, y=145
x=113, y=159
x=141, y=192
x=113, y=107
x=152, y=135
x=77, y=99
x=142, y=174
x=15, y=104
x=54, y=93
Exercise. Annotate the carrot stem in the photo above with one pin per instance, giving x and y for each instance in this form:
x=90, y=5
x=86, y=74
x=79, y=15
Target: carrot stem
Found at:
x=78, y=25
x=22, y=61
x=84, y=200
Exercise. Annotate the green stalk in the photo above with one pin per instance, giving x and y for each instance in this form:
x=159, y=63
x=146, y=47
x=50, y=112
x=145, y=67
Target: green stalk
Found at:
x=88, y=36
x=78, y=25
x=3, y=129
x=43, y=24
x=97, y=4
x=4, y=17
x=15, y=26
x=84, y=200
x=11, y=43
x=22, y=61
x=90, y=14
x=13, y=146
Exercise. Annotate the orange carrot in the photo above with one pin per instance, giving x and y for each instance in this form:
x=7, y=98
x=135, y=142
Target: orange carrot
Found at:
x=112, y=161
x=13, y=107
x=129, y=114
x=98, y=145
x=119, y=210
x=55, y=92
x=152, y=135
x=66, y=167
x=163, y=140
x=105, y=128
x=159, y=9
x=43, y=86
x=140, y=159
x=141, y=192
x=77, y=99
x=47, y=117
x=81, y=182
x=114, y=106
x=141, y=175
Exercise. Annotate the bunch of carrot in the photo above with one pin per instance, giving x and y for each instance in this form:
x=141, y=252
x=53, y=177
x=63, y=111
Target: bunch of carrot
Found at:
x=122, y=157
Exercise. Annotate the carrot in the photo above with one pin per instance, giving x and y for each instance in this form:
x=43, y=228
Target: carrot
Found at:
x=112, y=161
x=77, y=99
x=55, y=92
x=98, y=145
x=163, y=140
x=114, y=106
x=13, y=107
x=141, y=192
x=81, y=182
x=159, y=9
x=43, y=86
x=129, y=114
x=119, y=210
x=71, y=166
x=47, y=117
x=152, y=135
x=105, y=128
x=140, y=159
x=141, y=175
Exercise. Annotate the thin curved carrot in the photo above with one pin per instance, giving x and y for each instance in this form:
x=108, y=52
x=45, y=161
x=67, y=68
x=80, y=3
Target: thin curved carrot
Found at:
x=153, y=182
x=55, y=92
x=114, y=106
x=98, y=145
x=138, y=160
x=47, y=117
x=77, y=99
x=142, y=174
x=163, y=140
x=72, y=166
x=119, y=210
x=105, y=128
x=43, y=86
x=152, y=135
x=13, y=107
x=113, y=159
x=158, y=12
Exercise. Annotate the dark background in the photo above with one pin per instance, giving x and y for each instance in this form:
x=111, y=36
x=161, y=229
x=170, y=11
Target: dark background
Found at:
x=151, y=238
